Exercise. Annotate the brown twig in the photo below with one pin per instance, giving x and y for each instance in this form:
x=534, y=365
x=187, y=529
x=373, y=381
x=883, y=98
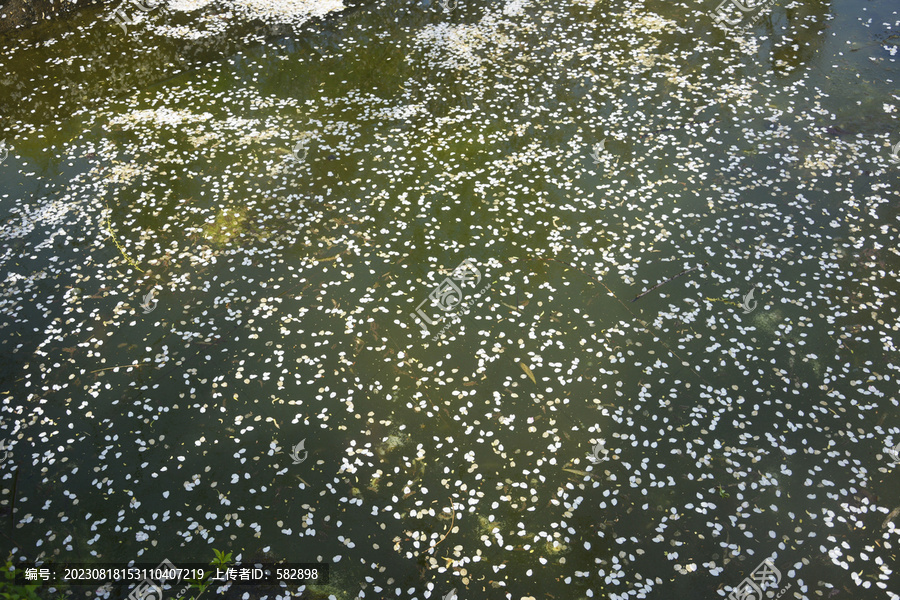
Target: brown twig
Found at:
x=685, y=272
x=118, y=367
x=452, y=521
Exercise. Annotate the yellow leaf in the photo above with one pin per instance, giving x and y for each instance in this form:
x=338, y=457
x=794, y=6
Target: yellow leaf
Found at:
x=528, y=372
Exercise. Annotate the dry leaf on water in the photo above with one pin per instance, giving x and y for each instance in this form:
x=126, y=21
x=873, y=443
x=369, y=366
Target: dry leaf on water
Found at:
x=528, y=372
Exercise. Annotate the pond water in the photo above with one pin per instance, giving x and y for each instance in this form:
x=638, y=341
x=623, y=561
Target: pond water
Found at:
x=476, y=300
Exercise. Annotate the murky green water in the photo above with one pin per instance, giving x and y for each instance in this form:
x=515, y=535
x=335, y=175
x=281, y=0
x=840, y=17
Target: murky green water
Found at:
x=289, y=196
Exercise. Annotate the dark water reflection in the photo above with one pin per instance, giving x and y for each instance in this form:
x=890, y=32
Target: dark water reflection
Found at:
x=285, y=282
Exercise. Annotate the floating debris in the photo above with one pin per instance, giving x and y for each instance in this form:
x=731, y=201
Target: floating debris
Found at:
x=179, y=164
